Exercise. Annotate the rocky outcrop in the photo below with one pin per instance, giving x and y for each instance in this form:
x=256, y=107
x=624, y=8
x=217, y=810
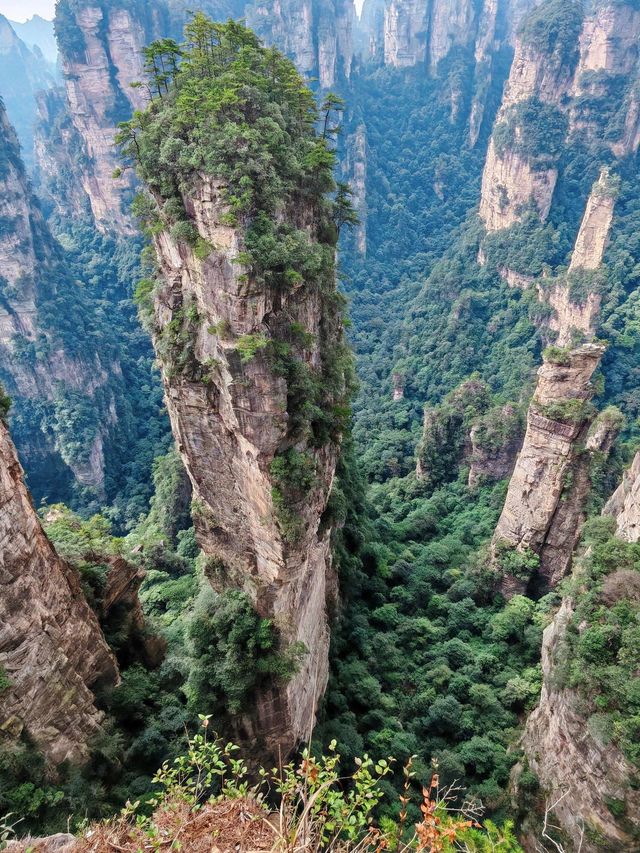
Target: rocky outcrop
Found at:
x=52, y=650
x=577, y=316
x=558, y=421
x=495, y=441
x=608, y=54
x=511, y=185
x=446, y=440
x=398, y=380
x=577, y=772
x=624, y=504
x=544, y=509
x=515, y=178
x=234, y=425
x=585, y=71
x=593, y=237
x=41, y=366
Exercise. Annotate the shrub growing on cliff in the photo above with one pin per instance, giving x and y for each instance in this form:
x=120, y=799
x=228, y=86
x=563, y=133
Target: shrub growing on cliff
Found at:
x=553, y=28
x=233, y=650
x=604, y=641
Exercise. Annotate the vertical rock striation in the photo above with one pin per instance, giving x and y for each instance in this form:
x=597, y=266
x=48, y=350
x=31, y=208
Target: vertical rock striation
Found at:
x=318, y=37
x=247, y=324
x=571, y=67
x=230, y=427
x=624, y=504
x=423, y=32
x=101, y=55
x=49, y=365
x=52, y=650
x=544, y=508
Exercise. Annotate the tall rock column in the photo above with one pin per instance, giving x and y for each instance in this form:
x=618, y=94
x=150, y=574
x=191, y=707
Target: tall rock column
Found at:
x=52, y=651
x=247, y=325
x=544, y=508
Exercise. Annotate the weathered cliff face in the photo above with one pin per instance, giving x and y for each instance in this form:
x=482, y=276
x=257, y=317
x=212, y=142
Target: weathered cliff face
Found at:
x=558, y=420
x=406, y=25
x=58, y=148
x=318, y=37
x=576, y=770
x=608, y=54
x=232, y=420
x=573, y=316
x=41, y=367
x=587, y=75
x=510, y=186
x=101, y=53
x=423, y=32
x=51, y=646
x=514, y=178
x=624, y=504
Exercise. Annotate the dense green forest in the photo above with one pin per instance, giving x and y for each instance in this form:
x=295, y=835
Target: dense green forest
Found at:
x=428, y=660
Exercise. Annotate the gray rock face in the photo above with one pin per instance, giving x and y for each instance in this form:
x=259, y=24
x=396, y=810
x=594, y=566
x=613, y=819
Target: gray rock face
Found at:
x=317, y=36
x=52, y=650
x=624, y=504
x=569, y=760
x=229, y=424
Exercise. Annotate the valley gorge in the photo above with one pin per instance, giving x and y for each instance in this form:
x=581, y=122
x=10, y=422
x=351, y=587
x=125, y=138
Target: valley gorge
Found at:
x=449, y=572
x=46, y=371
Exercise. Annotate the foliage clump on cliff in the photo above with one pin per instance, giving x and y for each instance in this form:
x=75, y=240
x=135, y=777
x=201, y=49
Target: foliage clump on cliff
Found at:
x=224, y=105
x=602, y=655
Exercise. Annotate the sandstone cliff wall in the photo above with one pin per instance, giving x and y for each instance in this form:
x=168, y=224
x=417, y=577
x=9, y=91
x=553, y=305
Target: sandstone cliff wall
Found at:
x=230, y=418
x=544, y=508
x=37, y=366
x=422, y=32
x=52, y=650
x=557, y=421
x=317, y=36
x=575, y=769
x=571, y=81
x=98, y=72
x=624, y=504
